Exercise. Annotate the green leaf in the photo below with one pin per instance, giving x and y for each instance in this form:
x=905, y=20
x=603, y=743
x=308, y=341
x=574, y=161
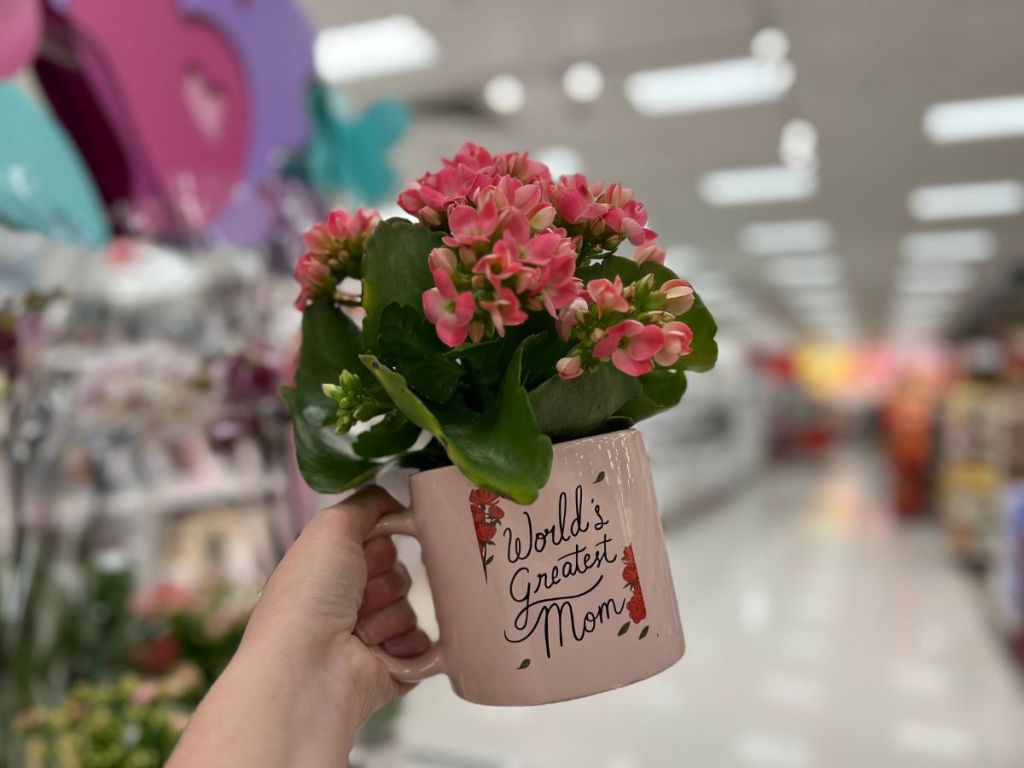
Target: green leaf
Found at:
x=600, y=477
x=395, y=269
x=331, y=343
x=610, y=268
x=409, y=344
x=325, y=458
x=662, y=388
x=644, y=631
x=502, y=451
x=582, y=406
x=523, y=664
x=704, y=350
x=623, y=629
x=391, y=435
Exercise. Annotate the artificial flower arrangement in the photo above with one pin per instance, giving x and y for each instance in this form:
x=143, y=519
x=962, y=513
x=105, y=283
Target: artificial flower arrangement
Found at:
x=505, y=319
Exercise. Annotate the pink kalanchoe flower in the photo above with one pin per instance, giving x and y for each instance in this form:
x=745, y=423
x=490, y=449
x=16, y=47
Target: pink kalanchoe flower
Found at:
x=471, y=156
x=630, y=221
x=574, y=199
x=630, y=345
x=450, y=311
x=519, y=165
x=547, y=246
x=617, y=195
x=314, y=278
x=470, y=226
x=677, y=340
x=568, y=317
x=557, y=285
x=649, y=252
x=678, y=295
x=341, y=230
x=505, y=310
x=499, y=265
x=442, y=258
x=607, y=296
x=569, y=367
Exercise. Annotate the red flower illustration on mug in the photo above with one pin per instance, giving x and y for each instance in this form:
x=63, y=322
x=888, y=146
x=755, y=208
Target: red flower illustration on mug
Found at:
x=487, y=517
x=636, y=607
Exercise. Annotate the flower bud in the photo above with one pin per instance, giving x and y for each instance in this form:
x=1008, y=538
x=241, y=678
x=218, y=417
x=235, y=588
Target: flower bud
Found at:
x=569, y=367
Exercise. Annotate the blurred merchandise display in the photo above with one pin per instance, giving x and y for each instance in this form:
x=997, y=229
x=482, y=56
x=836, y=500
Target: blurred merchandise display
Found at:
x=971, y=472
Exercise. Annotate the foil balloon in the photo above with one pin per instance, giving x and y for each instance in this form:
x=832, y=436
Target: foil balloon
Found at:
x=44, y=184
x=21, y=27
x=159, y=104
x=275, y=43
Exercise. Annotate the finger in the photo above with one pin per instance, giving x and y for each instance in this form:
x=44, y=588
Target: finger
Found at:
x=381, y=591
x=410, y=644
x=365, y=507
x=391, y=621
x=381, y=555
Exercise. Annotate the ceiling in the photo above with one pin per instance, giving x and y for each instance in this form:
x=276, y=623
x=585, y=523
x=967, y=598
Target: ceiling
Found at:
x=866, y=71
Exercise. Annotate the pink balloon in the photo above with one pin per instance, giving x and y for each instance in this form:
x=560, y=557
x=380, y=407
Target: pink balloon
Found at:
x=21, y=27
x=171, y=91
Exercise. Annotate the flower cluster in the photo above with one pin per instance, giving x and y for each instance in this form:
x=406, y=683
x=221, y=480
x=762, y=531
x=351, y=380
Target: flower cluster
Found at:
x=487, y=515
x=634, y=326
x=636, y=607
x=513, y=239
x=335, y=251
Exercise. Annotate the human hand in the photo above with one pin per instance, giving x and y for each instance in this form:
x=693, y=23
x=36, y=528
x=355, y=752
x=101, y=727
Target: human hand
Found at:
x=334, y=596
x=304, y=676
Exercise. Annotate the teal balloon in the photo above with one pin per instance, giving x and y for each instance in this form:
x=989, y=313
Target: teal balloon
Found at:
x=45, y=185
x=351, y=154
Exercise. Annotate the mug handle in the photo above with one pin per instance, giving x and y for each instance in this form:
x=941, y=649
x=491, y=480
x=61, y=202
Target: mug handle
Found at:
x=431, y=662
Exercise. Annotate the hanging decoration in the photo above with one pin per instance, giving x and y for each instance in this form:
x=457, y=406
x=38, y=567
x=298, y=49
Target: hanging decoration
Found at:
x=20, y=32
x=44, y=184
x=351, y=154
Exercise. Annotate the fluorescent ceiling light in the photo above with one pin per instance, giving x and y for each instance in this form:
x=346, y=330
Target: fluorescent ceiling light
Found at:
x=966, y=201
x=563, y=161
x=714, y=85
x=822, y=270
x=815, y=299
x=373, y=48
x=771, y=237
x=937, y=283
x=504, y=94
x=916, y=270
x=951, y=246
x=974, y=120
x=583, y=82
x=767, y=184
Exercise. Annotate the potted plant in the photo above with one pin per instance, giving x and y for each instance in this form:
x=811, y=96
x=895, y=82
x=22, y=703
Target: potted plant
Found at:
x=508, y=318
x=505, y=344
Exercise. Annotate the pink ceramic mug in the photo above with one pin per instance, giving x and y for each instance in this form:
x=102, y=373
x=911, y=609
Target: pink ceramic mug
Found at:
x=569, y=596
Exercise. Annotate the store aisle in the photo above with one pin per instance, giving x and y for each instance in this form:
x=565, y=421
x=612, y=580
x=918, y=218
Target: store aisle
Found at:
x=819, y=634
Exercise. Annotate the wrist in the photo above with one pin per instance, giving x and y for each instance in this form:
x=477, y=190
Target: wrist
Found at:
x=316, y=689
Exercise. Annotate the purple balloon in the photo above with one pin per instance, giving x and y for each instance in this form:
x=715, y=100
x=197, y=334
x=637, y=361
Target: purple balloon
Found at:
x=275, y=44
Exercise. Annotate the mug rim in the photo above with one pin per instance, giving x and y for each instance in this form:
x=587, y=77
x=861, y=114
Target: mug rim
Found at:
x=564, y=445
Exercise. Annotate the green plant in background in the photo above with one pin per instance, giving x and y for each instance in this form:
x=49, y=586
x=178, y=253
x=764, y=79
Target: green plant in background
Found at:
x=203, y=629
x=130, y=723
x=504, y=320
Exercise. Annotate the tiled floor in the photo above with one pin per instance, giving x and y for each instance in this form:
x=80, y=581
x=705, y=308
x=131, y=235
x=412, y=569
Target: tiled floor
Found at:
x=819, y=634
